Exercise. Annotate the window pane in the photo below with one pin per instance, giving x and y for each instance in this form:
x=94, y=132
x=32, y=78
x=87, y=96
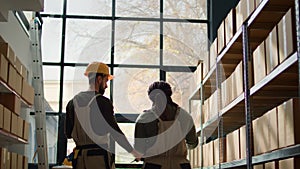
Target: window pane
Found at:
x=53, y=6
x=137, y=42
x=52, y=131
x=122, y=156
x=51, y=75
x=89, y=7
x=137, y=8
x=180, y=83
x=51, y=39
x=88, y=40
x=185, y=9
x=184, y=43
x=75, y=82
x=130, y=89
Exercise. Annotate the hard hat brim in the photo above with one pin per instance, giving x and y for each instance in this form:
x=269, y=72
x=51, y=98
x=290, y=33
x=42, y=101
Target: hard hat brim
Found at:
x=109, y=77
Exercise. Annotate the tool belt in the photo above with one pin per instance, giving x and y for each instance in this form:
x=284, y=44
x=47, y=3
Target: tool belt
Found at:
x=96, y=150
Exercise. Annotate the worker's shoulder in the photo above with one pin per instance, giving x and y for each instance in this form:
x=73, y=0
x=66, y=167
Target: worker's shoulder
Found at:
x=183, y=114
x=146, y=116
x=101, y=98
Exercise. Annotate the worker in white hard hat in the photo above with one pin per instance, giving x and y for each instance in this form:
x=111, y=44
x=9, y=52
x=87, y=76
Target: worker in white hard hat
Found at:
x=90, y=121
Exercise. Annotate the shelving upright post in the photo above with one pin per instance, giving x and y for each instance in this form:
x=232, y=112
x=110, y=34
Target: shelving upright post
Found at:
x=247, y=95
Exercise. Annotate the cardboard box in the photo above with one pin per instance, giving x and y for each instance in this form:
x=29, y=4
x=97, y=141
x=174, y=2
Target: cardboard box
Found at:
x=1, y=116
x=197, y=76
x=216, y=145
x=20, y=127
x=243, y=10
x=286, y=36
x=7, y=119
x=260, y=166
x=271, y=51
x=25, y=162
x=195, y=158
x=291, y=163
x=205, y=66
x=271, y=165
x=230, y=25
x=257, y=2
x=13, y=160
x=24, y=72
x=213, y=107
x=265, y=132
x=243, y=145
x=239, y=79
x=3, y=157
x=250, y=7
x=8, y=159
x=241, y=13
x=232, y=87
x=259, y=63
x=19, y=81
x=233, y=146
x=14, y=124
x=205, y=156
x=18, y=65
x=25, y=130
x=272, y=129
x=3, y=68
x=11, y=101
x=213, y=53
x=229, y=87
x=260, y=135
x=221, y=37
x=12, y=76
x=224, y=93
x=8, y=52
x=19, y=161
x=27, y=92
x=288, y=123
x=205, y=111
x=200, y=163
x=210, y=153
x=219, y=156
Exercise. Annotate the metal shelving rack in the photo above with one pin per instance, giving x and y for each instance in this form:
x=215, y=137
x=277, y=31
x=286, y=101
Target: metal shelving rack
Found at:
x=7, y=138
x=254, y=31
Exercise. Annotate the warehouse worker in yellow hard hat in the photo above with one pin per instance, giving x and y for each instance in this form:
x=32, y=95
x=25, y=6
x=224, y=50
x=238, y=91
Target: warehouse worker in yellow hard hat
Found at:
x=90, y=121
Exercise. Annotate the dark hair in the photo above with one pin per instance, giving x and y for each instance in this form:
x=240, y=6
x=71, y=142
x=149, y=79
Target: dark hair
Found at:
x=93, y=76
x=161, y=85
x=163, y=88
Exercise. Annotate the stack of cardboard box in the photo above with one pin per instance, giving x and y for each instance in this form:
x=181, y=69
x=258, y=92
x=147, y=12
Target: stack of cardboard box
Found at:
x=15, y=91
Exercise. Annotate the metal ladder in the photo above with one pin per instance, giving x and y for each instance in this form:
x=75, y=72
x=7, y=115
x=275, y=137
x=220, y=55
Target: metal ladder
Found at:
x=39, y=108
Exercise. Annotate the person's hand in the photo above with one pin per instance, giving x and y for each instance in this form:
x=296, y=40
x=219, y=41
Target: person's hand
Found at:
x=137, y=155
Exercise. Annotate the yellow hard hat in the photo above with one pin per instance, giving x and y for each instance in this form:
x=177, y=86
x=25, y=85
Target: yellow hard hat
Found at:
x=98, y=67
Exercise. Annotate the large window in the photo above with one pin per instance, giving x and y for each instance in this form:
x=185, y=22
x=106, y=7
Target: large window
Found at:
x=141, y=41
